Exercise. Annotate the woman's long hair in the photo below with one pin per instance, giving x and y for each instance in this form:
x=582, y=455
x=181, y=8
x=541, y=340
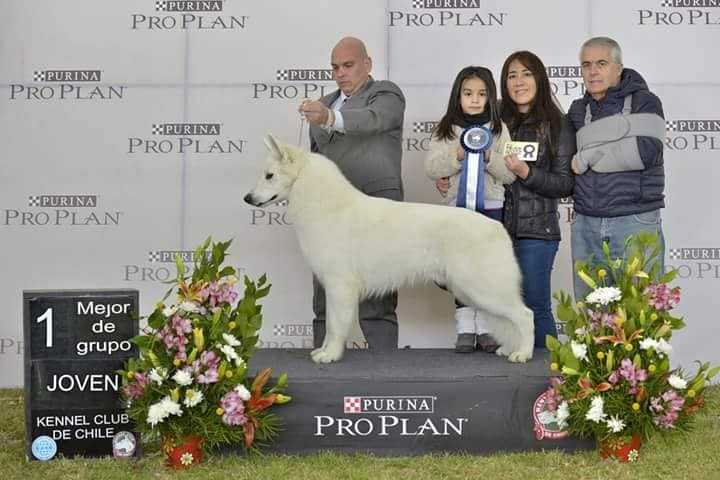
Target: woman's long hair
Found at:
x=444, y=129
x=544, y=108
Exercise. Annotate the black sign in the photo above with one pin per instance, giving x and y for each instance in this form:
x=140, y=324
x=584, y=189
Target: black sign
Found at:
x=75, y=341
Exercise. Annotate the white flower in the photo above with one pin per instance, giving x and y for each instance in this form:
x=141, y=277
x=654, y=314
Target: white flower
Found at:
x=229, y=352
x=648, y=343
x=239, y=362
x=187, y=458
x=192, y=398
x=663, y=347
x=182, y=378
x=171, y=407
x=229, y=279
x=231, y=340
x=676, y=381
x=563, y=412
x=596, y=413
x=243, y=392
x=161, y=410
x=158, y=375
x=579, y=350
x=604, y=295
x=615, y=424
x=580, y=331
x=170, y=311
x=190, y=307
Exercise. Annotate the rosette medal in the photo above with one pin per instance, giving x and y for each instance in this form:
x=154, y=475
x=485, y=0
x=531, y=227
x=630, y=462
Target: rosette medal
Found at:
x=475, y=139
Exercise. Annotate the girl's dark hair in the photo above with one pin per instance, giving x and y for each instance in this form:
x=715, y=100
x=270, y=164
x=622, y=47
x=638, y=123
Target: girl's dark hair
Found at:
x=444, y=130
x=544, y=109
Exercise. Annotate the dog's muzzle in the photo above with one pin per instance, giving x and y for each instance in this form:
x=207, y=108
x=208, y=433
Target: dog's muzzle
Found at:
x=249, y=199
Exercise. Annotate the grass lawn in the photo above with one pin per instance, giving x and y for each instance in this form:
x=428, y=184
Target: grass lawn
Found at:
x=694, y=456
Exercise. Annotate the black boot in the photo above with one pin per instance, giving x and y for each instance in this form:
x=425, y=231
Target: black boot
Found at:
x=380, y=334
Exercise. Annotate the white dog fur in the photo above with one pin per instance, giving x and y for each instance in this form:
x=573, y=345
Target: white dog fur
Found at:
x=358, y=246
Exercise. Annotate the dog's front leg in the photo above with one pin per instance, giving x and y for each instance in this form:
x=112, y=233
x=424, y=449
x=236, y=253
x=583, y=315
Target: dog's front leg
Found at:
x=342, y=311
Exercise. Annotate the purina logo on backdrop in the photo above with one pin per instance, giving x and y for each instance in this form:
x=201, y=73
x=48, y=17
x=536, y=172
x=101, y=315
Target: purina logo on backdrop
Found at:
x=299, y=335
x=296, y=83
x=695, y=262
x=187, y=15
x=692, y=135
x=78, y=85
x=159, y=266
x=445, y=13
x=274, y=215
x=60, y=211
x=419, y=138
x=182, y=140
x=395, y=415
x=566, y=80
x=681, y=12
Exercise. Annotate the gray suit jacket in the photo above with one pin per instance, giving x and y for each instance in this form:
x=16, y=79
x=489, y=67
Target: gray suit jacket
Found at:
x=370, y=150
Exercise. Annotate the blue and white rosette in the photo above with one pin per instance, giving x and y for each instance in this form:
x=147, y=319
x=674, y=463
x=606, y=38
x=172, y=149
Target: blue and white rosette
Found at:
x=475, y=139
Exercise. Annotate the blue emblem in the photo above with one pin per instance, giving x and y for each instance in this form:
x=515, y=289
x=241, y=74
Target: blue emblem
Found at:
x=476, y=138
x=44, y=448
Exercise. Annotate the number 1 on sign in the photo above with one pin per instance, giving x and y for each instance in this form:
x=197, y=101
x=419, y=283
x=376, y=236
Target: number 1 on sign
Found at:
x=48, y=327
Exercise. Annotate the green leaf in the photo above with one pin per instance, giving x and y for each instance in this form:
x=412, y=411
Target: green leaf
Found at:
x=156, y=319
x=669, y=276
x=712, y=372
x=552, y=343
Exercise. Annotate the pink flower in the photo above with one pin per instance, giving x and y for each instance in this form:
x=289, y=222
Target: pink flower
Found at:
x=234, y=409
x=136, y=388
x=206, y=368
x=667, y=407
x=629, y=372
x=661, y=297
x=599, y=320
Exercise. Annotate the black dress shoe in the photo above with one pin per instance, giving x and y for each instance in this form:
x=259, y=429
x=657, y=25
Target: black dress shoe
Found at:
x=486, y=343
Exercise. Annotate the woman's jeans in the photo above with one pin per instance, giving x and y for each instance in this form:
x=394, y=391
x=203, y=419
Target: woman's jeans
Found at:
x=536, y=258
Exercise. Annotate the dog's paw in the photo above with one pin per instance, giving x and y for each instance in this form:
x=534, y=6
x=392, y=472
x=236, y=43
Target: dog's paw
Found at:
x=326, y=355
x=502, y=351
x=520, y=357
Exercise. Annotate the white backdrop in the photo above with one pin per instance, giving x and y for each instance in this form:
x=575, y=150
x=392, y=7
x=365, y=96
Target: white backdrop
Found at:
x=131, y=194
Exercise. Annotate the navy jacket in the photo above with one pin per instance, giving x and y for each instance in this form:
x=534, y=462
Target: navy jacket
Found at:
x=621, y=193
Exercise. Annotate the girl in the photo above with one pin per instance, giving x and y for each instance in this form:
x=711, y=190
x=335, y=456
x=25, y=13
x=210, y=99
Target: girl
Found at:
x=473, y=101
x=530, y=212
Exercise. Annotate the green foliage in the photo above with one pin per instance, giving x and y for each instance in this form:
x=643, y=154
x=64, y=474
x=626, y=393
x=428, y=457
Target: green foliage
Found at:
x=207, y=336
x=617, y=346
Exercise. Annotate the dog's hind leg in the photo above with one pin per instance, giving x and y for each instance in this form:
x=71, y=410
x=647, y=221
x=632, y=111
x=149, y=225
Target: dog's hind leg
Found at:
x=342, y=311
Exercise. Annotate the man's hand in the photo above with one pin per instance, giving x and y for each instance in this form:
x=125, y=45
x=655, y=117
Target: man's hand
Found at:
x=443, y=185
x=517, y=166
x=575, y=167
x=315, y=112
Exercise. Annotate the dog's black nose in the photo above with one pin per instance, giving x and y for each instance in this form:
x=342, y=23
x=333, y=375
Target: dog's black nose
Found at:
x=248, y=199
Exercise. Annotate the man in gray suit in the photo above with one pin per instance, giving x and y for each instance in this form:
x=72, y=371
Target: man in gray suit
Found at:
x=359, y=127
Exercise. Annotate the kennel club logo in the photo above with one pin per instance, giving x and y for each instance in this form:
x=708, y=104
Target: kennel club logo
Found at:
x=70, y=85
x=566, y=80
x=382, y=416
x=183, y=140
x=419, y=138
x=187, y=15
x=60, y=211
x=692, y=135
x=159, y=266
x=445, y=13
x=296, y=83
x=681, y=12
x=702, y=263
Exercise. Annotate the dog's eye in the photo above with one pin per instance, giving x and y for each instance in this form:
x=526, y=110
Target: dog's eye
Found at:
x=268, y=176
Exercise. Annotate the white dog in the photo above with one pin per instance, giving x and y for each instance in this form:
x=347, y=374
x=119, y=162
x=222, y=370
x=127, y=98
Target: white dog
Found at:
x=335, y=224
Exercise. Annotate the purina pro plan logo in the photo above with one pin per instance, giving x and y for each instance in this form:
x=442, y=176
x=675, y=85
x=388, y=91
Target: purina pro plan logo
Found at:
x=692, y=135
x=681, y=12
x=296, y=83
x=66, y=85
x=404, y=416
x=188, y=15
x=445, y=13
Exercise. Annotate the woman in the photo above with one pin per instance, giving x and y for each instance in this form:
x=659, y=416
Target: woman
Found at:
x=530, y=211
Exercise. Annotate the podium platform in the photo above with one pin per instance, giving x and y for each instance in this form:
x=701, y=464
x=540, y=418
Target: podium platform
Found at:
x=410, y=402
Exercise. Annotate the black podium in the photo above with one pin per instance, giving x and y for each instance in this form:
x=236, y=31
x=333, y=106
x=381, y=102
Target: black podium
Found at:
x=410, y=402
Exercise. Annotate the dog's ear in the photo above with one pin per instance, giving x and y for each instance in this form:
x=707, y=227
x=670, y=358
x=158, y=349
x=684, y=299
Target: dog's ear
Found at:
x=273, y=146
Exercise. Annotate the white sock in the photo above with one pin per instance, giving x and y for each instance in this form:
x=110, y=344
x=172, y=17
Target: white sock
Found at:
x=465, y=320
x=481, y=323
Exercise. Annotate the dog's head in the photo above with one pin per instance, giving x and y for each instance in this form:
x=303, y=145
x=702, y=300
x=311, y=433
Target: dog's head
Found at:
x=276, y=181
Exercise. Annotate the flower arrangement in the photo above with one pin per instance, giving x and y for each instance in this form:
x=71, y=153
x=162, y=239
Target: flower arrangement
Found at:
x=616, y=380
x=191, y=376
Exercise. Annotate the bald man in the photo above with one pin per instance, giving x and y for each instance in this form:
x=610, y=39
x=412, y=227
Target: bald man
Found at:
x=359, y=127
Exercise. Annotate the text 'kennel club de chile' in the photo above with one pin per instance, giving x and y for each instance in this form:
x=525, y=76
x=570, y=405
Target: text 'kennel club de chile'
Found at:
x=469, y=253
